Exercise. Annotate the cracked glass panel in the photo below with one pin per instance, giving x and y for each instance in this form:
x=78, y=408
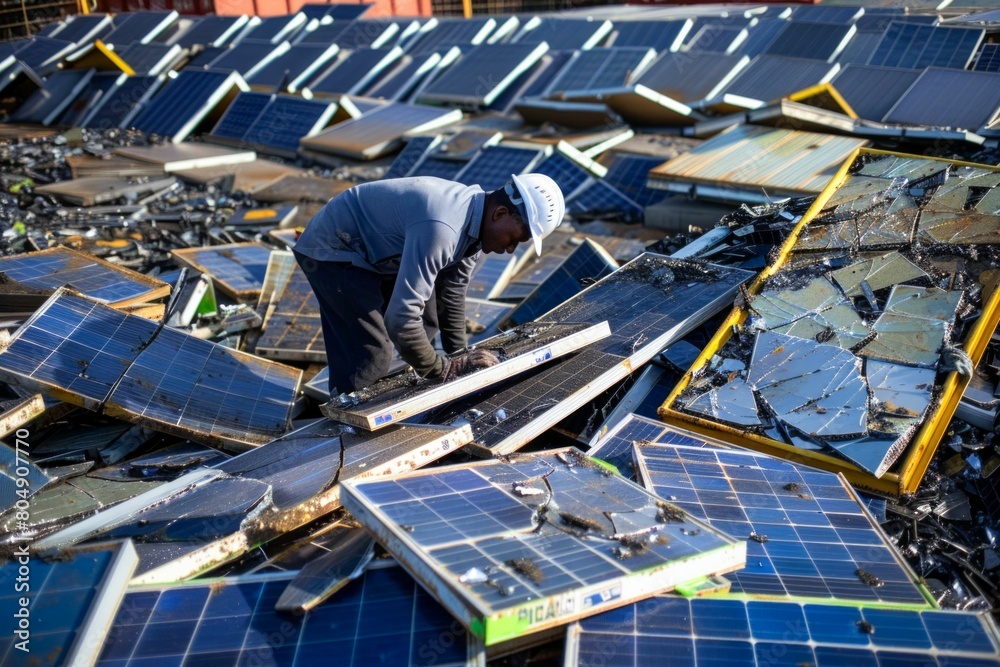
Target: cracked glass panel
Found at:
x=878, y=272
x=961, y=187
x=906, y=340
x=913, y=169
x=926, y=303
x=732, y=403
x=902, y=395
x=957, y=227
x=818, y=310
x=813, y=387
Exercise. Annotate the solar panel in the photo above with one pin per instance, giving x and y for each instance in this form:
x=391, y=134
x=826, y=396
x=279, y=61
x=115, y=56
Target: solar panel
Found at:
x=237, y=269
x=89, y=354
x=498, y=65
x=871, y=91
x=492, y=167
x=943, y=97
x=820, y=41
x=212, y=31
x=293, y=329
x=568, y=174
x=600, y=197
x=409, y=156
x=629, y=174
x=600, y=68
x=616, y=446
x=72, y=602
x=241, y=114
x=339, y=12
x=491, y=275
x=248, y=56
x=860, y=48
x=185, y=101
x=100, y=280
x=441, y=168
x=707, y=631
x=988, y=59
x=353, y=72
x=716, y=39
x=644, y=316
x=121, y=103
x=760, y=35
x=919, y=46
x=15, y=463
x=399, y=82
x=383, y=617
x=585, y=265
x=203, y=58
x=286, y=120
x=582, y=538
x=277, y=28
x=82, y=29
x=373, y=33
x=140, y=26
x=808, y=534
x=828, y=14
x=771, y=77
x=42, y=53
x=380, y=130
x=150, y=59
x=454, y=32
x=324, y=33
x=48, y=103
x=561, y=34
x=532, y=82
x=659, y=35
x=294, y=67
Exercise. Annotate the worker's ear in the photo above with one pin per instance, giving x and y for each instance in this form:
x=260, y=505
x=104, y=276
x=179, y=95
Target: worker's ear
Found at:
x=500, y=211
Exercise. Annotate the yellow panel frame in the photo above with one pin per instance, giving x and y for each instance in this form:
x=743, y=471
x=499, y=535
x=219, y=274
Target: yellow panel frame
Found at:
x=913, y=464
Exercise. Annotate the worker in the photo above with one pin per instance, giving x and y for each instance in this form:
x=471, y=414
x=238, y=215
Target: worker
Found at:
x=390, y=262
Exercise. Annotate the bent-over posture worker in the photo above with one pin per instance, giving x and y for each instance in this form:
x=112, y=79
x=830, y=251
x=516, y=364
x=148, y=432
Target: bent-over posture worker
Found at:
x=387, y=258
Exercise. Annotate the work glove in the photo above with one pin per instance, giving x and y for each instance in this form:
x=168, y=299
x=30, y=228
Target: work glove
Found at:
x=453, y=367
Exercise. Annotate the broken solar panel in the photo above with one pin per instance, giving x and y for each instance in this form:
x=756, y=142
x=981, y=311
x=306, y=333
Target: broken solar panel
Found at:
x=100, y=280
x=73, y=598
x=294, y=67
x=380, y=130
x=942, y=97
x=186, y=101
x=404, y=394
x=600, y=68
x=659, y=35
x=808, y=535
x=707, y=631
x=814, y=40
x=919, y=46
x=350, y=74
x=211, y=516
x=482, y=74
x=237, y=269
x=293, y=329
x=481, y=318
x=492, y=167
x=584, y=266
x=515, y=546
x=128, y=367
x=383, y=617
x=650, y=303
x=285, y=120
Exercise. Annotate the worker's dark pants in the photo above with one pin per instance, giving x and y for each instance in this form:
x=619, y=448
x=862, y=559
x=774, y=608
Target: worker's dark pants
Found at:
x=352, y=302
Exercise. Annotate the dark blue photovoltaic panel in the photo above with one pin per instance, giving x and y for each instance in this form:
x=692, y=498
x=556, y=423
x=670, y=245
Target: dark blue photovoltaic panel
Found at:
x=773, y=77
x=715, y=39
x=657, y=35
x=493, y=166
x=812, y=535
x=116, y=107
x=99, y=85
x=711, y=631
x=760, y=35
x=60, y=88
x=208, y=30
x=871, y=91
x=141, y=26
x=240, y=266
x=601, y=197
x=480, y=71
x=381, y=618
x=41, y=52
x=616, y=447
x=567, y=174
x=203, y=59
x=244, y=56
x=562, y=34
x=989, y=59
x=241, y=114
x=599, y=68
x=348, y=73
x=689, y=77
x=448, y=33
x=434, y=166
x=408, y=157
x=362, y=34
x=919, y=46
x=291, y=64
x=801, y=39
x=827, y=14
x=944, y=97
x=629, y=174
x=179, y=101
x=82, y=27
x=533, y=81
x=285, y=121
x=860, y=48
x=400, y=79
x=271, y=27
x=339, y=12
x=144, y=57
x=324, y=34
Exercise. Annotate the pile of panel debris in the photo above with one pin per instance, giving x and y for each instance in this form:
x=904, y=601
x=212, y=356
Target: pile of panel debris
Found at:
x=769, y=443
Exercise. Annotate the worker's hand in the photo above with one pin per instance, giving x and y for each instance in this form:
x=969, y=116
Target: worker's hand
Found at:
x=454, y=367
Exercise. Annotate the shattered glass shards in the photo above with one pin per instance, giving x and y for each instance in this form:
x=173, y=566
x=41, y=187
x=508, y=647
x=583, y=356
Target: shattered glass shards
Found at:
x=817, y=310
x=732, y=403
x=533, y=536
x=925, y=303
x=884, y=220
x=907, y=340
x=901, y=395
x=912, y=169
x=964, y=187
x=813, y=387
x=878, y=272
x=957, y=227
x=16, y=465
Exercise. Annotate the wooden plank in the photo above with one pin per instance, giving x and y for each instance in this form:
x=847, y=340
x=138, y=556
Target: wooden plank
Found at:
x=404, y=394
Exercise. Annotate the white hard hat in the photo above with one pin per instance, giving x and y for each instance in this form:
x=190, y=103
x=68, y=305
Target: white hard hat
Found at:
x=540, y=201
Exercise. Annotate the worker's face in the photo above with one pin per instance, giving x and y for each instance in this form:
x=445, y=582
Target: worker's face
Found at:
x=504, y=231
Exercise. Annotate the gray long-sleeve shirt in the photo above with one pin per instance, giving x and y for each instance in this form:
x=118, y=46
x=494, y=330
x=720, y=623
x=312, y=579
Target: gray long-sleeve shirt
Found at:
x=425, y=231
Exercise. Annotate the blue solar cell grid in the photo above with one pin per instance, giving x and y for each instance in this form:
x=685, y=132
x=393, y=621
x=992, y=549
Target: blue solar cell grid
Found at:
x=408, y=157
x=629, y=173
x=55, y=268
x=383, y=617
x=179, y=101
x=243, y=57
x=703, y=631
x=449, y=33
x=144, y=57
x=99, y=85
x=207, y=30
x=813, y=537
x=290, y=65
x=434, y=166
x=989, y=59
x=562, y=34
x=602, y=197
x=39, y=51
x=599, y=68
x=271, y=27
x=240, y=267
x=493, y=166
x=363, y=34
x=83, y=26
x=339, y=12
x=919, y=46
x=480, y=71
x=715, y=39
x=345, y=75
x=760, y=36
x=567, y=174
x=139, y=26
x=117, y=106
x=810, y=40
x=657, y=35
x=286, y=120
x=241, y=114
